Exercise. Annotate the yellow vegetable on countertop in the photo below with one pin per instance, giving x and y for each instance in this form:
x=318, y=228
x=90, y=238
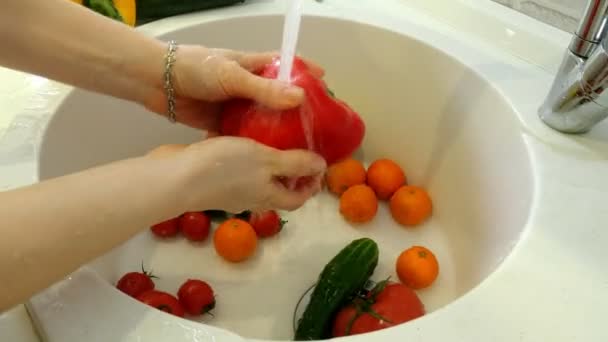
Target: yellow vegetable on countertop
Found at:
x=126, y=8
x=131, y=11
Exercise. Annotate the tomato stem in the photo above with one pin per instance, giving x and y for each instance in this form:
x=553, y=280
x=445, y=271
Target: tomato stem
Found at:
x=207, y=309
x=363, y=305
x=379, y=288
x=216, y=215
x=378, y=316
x=351, y=322
x=245, y=215
x=147, y=273
x=165, y=308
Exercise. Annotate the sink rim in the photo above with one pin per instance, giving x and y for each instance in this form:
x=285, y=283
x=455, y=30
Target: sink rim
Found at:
x=521, y=232
x=430, y=316
x=522, y=105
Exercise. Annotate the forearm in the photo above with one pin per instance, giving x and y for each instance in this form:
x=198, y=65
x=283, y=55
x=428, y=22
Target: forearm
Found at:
x=51, y=228
x=72, y=44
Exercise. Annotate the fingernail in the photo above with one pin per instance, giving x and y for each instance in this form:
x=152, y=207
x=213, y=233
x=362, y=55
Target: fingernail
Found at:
x=293, y=92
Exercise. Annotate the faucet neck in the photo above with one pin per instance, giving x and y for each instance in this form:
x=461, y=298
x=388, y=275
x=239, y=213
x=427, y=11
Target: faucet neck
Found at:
x=591, y=30
x=577, y=100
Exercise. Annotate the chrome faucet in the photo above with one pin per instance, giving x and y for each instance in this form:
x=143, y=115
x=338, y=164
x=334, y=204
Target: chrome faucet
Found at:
x=577, y=100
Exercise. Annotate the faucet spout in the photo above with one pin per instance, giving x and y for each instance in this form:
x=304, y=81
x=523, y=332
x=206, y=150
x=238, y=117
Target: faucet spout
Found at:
x=577, y=101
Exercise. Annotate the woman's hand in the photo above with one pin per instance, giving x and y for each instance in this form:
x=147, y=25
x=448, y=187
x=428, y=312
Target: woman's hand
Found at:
x=92, y=211
x=124, y=63
x=237, y=174
x=204, y=77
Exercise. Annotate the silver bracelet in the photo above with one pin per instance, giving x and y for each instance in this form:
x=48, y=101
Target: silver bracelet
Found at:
x=169, y=61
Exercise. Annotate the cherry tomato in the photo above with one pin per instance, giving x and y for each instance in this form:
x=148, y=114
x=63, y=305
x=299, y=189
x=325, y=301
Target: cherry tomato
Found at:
x=267, y=223
x=162, y=301
x=395, y=304
x=195, y=226
x=135, y=283
x=166, y=228
x=196, y=296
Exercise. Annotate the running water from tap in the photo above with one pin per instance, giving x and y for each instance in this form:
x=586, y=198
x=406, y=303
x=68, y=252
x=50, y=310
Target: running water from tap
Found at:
x=291, y=29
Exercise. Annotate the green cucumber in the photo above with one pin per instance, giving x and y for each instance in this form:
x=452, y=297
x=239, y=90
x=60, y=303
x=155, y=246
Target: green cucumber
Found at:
x=341, y=279
x=156, y=9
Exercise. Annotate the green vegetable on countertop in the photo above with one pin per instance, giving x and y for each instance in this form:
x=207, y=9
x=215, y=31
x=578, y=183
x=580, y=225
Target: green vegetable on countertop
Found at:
x=104, y=7
x=156, y=9
x=341, y=279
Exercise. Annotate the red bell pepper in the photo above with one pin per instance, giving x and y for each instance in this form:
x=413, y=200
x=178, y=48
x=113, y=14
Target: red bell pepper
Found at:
x=322, y=123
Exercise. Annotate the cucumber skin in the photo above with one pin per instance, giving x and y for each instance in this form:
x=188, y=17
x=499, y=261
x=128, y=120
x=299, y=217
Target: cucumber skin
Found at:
x=157, y=9
x=341, y=279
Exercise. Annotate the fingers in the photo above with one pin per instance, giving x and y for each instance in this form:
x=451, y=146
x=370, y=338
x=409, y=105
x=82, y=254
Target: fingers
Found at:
x=238, y=82
x=249, y=61
x=237, y=79
x=292, y=194
x=297, y=177
x=255, y=61
x=297, y=163
x=290, y=200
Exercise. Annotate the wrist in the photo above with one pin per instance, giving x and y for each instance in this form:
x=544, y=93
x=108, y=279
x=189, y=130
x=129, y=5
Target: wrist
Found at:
x=196, y=187
x=180, y=173
x=168, y=184
x=149, y=70
x=185, y=59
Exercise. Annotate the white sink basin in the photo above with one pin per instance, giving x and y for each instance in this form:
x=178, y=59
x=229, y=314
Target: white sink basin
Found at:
x=449, y=114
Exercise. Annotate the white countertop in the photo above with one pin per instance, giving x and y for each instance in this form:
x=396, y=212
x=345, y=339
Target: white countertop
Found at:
x=19, y=92
x=16, y=92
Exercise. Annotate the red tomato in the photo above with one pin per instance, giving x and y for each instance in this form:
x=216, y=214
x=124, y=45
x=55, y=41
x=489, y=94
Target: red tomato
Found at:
x=135, y=283
x=396, y=304
x=196, y=296
x=266, y=223
x=166, y=228
x=322, y=123
x=195, y=226
x=162, y=301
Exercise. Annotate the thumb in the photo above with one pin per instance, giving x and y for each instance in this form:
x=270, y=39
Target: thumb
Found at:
x=272, y=93
x=298, y=163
